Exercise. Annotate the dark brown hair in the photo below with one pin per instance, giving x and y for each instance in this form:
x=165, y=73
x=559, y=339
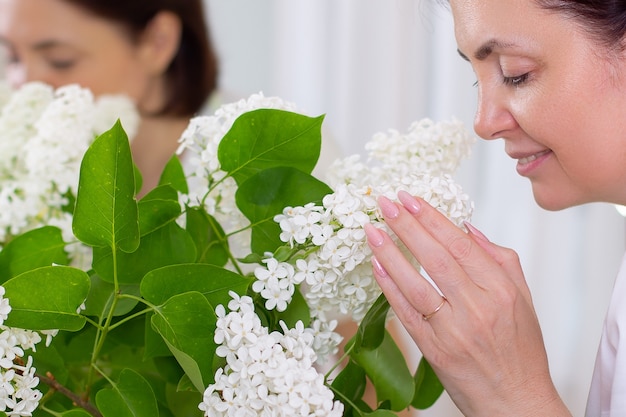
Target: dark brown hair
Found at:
x=604, y=20
x=192, y=74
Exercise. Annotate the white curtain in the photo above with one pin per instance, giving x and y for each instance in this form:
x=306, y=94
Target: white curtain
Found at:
x=370, y=65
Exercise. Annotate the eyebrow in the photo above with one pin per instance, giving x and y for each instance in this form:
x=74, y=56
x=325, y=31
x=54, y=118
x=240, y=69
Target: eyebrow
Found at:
x=486, y=49
x=40, y=45
x=49, y=44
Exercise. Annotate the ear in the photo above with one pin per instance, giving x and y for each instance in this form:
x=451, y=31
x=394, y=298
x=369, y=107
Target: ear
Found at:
x=160, y=41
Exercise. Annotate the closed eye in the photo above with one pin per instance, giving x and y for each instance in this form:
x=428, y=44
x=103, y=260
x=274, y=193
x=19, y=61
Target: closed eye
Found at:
x=515, y=81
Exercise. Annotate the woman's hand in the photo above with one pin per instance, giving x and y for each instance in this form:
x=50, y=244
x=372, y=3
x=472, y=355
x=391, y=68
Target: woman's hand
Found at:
x=483, y=339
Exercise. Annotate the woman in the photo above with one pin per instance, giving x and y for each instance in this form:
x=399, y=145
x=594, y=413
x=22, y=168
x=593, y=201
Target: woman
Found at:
x=158, y=52
x=551, y=79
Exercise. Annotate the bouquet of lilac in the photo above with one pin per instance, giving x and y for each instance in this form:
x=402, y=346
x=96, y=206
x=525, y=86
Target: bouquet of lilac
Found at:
x=43, y=136
x=218, y=292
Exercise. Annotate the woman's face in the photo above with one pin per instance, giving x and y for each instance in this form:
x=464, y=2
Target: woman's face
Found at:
x=57, y=43
x=553, y=94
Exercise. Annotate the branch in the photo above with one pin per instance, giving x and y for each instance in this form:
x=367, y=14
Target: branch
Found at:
x=56, y=386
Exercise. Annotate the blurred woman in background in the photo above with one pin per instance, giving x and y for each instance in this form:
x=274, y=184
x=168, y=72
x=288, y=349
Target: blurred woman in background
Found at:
x=157, y=52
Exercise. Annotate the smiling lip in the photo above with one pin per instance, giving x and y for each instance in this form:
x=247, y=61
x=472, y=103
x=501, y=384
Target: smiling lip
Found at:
x=527, y=164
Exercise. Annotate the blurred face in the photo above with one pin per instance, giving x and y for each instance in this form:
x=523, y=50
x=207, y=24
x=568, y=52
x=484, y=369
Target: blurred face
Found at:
x=57, y=43
x=557, y=98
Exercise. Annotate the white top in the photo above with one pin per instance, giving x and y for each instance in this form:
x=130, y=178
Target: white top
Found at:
x=607, y=397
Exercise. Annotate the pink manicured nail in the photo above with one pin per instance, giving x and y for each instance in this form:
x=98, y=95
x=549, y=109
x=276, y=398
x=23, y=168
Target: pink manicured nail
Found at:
x=388, y=207
x=475, y=231
x=409, y=202
x=374, y=236
x=378, y=268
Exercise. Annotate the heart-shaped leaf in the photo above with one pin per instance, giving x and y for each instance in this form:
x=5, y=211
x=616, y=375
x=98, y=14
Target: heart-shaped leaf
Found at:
x=47, y=298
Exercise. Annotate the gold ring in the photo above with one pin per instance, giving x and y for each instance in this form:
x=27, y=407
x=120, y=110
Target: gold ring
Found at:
x=428, y=316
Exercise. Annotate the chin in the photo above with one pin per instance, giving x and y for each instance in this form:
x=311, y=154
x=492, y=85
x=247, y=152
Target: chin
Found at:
x=552, y=201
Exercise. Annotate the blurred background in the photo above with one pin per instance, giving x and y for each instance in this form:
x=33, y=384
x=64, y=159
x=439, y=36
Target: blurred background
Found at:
x=371, y=65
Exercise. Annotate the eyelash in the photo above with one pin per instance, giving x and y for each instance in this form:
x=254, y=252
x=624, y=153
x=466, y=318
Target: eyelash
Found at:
x=61, y=65
x=516, y=81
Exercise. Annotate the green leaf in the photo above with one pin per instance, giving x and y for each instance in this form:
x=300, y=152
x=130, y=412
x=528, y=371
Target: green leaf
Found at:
x=381, y=413
x=167, y=245
x=168, y=369
x=129, y=333
x=76, y=347
x=386, y=368
x=47, y=298
x=131, y=396
x=155, y=346
x=351, y=383
x=209, y=237
x=102, y=294
x=75, y=413
x=371, y=331
x=266, y=194
x=48, y=360
x=138, y=178
x=31, y=250
x=211, y=281
x=174, y=175
x=106, y=209
x=185, y=384
x=157, y=208
x=187, y=324
x=183, y=403
x=428, y=388
x=268, y=138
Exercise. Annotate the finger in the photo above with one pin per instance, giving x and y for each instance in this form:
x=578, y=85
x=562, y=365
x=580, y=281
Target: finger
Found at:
x=507, y=258
x=402, y=307
x=430, y=249
x=485, y=265
x=398, y=277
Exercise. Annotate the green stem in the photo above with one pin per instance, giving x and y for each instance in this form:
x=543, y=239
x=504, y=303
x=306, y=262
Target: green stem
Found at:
x=103, y=331
x=92, y=322
x=343, y=357
x=224, y=242
x=129, y=318
x=345, y=399
x=104, y=375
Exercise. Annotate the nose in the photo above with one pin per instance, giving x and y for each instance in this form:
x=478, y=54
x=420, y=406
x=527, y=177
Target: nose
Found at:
x=24, y=71
x=16, y=75
x=493, y=116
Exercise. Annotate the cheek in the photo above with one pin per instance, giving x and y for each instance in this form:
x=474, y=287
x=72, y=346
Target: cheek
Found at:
x=117, y=79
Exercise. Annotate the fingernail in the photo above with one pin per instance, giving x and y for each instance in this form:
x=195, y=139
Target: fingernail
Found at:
x=378, y=268
x=388, y=207
x=475, y=231
x=374, y=236
x=409, y=202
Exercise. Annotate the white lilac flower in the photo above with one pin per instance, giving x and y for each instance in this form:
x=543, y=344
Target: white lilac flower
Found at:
x=269, y=375
x=427, y=147
x=198, y=148
x=5, y=92
x=5, y=307
x=19, y=395
x=17, y=124
x=44, y=134
x=334, y=265
x=325, y=340
x=276, y=282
